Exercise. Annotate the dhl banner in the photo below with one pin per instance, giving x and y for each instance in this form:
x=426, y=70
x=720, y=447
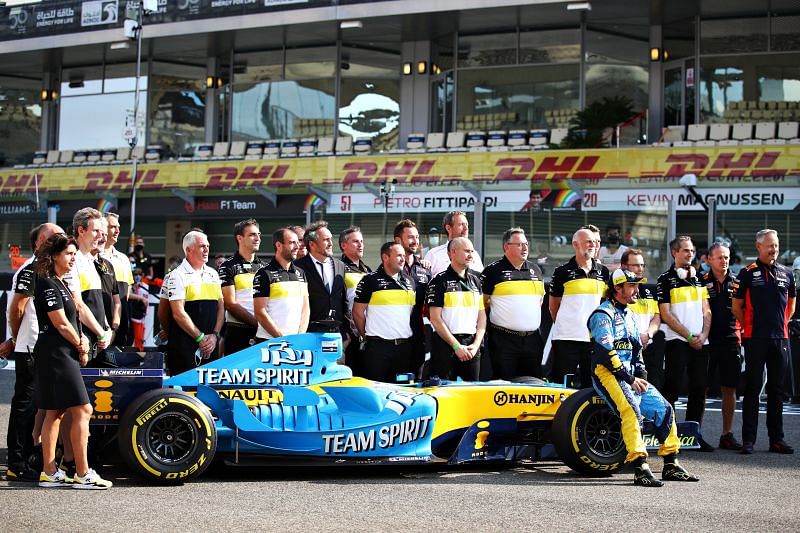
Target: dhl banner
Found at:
x=623, y=168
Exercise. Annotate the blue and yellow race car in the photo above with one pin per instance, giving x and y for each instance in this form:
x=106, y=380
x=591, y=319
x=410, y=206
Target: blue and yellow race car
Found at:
x=287, y=401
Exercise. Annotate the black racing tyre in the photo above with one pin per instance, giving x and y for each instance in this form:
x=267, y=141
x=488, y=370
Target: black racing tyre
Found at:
x=587, y=435
x=167, y=436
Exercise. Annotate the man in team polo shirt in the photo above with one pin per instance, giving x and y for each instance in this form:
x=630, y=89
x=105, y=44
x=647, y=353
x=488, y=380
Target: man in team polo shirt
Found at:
x=455, y=304
x=280, y=291
x=455, y=223
x=686, y=321
x=85, y=282
x=575, y=291
x=351, y=243
x=513, y=290
x=236, y=275
x=763, y=302
x=407, y=235
x=124, y=277
x=196, y=306
x=382, y=315
x=645, y=312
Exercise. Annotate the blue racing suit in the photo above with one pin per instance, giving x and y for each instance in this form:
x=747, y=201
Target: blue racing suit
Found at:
x=616, y=360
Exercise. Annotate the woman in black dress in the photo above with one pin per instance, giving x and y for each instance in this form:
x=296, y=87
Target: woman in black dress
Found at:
x=60, y=351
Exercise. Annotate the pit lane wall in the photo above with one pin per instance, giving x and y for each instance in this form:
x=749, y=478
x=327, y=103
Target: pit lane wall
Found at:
x=623, y=179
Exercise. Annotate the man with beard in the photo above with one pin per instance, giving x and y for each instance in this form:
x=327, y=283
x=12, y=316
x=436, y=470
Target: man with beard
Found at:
x=351, y=242
x=456, y=225
x=236, y=275
x=280, y=291
x=419, y=272
x=325, y=276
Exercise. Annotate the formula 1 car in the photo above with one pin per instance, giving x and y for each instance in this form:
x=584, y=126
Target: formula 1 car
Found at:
x=287, y=401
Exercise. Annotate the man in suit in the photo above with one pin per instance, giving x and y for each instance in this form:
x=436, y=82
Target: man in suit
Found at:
x=325, y=276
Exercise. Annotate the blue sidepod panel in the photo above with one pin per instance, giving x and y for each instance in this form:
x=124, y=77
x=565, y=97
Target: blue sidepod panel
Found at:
x=322, y=410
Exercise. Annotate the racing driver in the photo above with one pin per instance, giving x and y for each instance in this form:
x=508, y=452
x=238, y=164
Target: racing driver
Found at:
x=618, y=375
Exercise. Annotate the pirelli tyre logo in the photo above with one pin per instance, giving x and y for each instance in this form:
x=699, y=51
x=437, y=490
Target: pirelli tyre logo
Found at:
x=503, y=398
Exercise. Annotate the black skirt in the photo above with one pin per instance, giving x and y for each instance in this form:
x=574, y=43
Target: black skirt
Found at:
x=59, y=384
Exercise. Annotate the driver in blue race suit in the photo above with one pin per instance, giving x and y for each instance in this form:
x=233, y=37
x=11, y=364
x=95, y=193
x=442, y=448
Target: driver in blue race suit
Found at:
x=619, y=376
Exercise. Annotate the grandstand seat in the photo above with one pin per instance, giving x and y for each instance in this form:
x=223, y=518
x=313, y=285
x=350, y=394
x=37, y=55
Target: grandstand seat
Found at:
x=64, y=157
x=203, y=152
x=78, y=157
x=137, y=153
x=496, y=141
x=455, y=141
x=325, y=146
x=787, y=133
x=344, y=145
x=237, y=150
x=254, y=150
x=518, y=140
x=107, y=155
x=272, y=149
x=307, y=147
x=122, y=155
x=694, y=133
x=719, y=132
x=39, y=158
x=153, y=153
x=476, y=141
x=289, y=147
x=362, y=146
x=557, y=135
x=416, y=143
x=220, y=150
x=434, y=142
x=764, y=131
x=538, y=139
x=93, y=156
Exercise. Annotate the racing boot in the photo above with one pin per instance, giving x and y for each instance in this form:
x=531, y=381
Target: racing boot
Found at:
x=674, y=471
x=642, y=475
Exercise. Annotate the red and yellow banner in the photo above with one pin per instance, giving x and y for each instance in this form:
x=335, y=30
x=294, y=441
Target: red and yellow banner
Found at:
x=624, y=167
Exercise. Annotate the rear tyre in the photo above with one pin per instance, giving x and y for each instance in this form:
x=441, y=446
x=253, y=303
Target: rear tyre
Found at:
x=167, y=436
x=587, y=435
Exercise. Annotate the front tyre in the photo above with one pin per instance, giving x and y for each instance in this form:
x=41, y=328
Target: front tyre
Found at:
x=587, y=435
x=167, y=436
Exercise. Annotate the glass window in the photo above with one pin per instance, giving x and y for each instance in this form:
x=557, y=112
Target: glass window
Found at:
x=283, y=109
x=779, y=83
x=487, y=50
x=731, y=36
x=608, y=81
x=679, y=38
x=720, y=87
x=76, y=110
x=603, y=47
x=550, y=46
x=177, y=114
x=516, y=97
x=309, y=63
x=370, y=96
x=20, y=123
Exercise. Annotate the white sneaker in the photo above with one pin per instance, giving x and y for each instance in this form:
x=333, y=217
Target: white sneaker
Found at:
x=90, y=481
x=54, y=481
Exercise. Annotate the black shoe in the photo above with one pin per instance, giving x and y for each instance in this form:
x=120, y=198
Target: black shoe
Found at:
x=24, y=473
x=704, y=446
x=675, y=472
x=747, y=448
x=729, y=442
x=35, y=460
x=643, y=477
x=780, y=446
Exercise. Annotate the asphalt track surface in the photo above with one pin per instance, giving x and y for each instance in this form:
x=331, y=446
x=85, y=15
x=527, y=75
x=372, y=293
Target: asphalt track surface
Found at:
x=760, y=492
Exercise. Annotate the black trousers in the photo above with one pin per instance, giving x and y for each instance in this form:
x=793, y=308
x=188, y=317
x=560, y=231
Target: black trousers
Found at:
x=653, y=357
x=446, y=365
x=238, y=337
x=383, y=360
x=774, y=353
x=515, y=355
x=354, y=358
x=680, y=361
x=568, y=357
x=22, y=413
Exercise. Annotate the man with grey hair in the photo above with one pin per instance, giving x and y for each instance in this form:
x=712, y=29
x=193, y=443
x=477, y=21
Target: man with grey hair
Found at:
x=455, y=223
x=195, y=301
x=351, y=243
x=576, y=289
x=763, y=302
x=513, y=288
